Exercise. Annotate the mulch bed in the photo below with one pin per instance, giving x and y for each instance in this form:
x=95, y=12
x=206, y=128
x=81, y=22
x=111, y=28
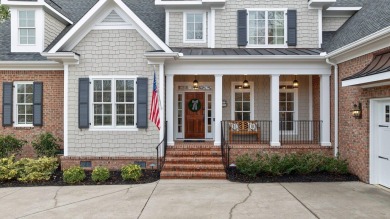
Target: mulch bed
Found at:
x=148, y=176
x=235, y=176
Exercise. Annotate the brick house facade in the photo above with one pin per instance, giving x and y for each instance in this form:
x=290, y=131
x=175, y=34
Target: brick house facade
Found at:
x=53, y=94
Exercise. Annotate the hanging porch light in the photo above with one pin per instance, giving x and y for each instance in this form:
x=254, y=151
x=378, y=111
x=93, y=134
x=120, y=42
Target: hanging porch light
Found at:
x=245, y=84
x=295, y=82
x=195, y=84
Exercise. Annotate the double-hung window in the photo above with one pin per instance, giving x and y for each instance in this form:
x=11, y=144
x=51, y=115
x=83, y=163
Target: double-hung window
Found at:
x=194, y=27
x=113, y=103
x=26, y=25
x=242, y=99
x=267, y=27
x=23, y=99
x=287, y=107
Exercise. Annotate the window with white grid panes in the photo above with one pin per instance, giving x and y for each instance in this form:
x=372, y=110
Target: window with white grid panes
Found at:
x=266, y=27
x=242, y=103
x=26, y=27
x=209, y=113
x=180, y=113
x=287, y=109
x=24, y=103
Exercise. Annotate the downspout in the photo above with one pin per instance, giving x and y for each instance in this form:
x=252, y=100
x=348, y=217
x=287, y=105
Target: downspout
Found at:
x=336, y=106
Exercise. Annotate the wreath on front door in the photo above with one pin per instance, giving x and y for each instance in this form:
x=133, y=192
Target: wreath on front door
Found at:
x=194, y=105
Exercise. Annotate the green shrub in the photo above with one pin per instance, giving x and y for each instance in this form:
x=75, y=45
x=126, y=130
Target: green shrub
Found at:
x=32, y=170
x=74, y=175
x=248, y=165
x=7, y=169
x=46, y=144
x=335, y=165
x=131, y=172
x=100, y=174
x=10, y=145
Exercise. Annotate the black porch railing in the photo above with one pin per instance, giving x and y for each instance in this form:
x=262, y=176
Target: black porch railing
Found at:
x=246, y=132
x=162, y=149
x=300, y=132
x=225, y=148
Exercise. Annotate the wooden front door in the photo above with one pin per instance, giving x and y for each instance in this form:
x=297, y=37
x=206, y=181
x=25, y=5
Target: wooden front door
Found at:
x=194, y=117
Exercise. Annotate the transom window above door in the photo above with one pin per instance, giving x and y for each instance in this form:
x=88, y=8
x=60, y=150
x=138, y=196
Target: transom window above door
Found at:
x=194, y=27
x=267, y=27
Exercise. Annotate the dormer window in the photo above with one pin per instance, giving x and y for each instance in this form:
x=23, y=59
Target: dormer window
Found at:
x=194, y=27
x=26, y=27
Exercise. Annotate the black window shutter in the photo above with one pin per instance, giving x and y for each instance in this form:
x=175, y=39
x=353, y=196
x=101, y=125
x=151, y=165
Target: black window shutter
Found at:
x=292, y=27
x=83, y=103
x=142, y=103
x=242, y=28
x=7, y=103
x=38, y=104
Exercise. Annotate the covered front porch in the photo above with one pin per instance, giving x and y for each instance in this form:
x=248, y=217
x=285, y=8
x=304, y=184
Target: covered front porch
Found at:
x=207, y=99
x=267, y=111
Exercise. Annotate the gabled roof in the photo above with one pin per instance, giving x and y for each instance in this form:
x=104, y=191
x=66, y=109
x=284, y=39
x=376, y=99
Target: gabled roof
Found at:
x=153, y=16
x=374, y=16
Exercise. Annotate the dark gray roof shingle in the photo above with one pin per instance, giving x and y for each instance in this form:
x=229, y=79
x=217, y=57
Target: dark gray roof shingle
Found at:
x=374, y=16
x=349, y=3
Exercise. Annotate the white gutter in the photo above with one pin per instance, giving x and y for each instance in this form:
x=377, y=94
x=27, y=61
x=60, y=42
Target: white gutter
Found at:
x=368, y=39
x=30, y=65
x=336, y=106
x=62, y=57
x=66, y=91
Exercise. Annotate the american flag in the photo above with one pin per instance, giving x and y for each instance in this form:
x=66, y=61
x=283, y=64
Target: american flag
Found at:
x=154, y=107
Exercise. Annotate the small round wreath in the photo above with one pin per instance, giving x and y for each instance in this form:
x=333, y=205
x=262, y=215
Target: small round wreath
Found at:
x=194, y=105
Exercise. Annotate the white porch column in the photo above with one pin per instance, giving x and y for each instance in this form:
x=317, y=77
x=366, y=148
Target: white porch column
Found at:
x=162, y=99
x=275, y=141
x=325, y=110
x=169, y=109
x=218, y=110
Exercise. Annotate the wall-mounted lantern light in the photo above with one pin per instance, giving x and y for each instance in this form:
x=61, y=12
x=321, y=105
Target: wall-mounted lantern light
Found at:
x=357, y=111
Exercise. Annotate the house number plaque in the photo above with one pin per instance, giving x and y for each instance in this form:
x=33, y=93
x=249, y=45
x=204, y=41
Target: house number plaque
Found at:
x=194, y=105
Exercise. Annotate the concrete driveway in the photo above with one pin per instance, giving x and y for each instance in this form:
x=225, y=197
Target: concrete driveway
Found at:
x=198, y=199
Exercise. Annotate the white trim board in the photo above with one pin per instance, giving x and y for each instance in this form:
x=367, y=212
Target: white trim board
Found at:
x=82, y=28
x=368, y=79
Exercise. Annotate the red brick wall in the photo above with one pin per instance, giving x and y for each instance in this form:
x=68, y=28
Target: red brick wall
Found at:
x=53, y=96
x=354, y=133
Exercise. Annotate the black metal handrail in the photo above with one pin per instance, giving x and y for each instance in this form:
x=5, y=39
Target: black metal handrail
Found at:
x=247, y=132
x=300, y=132
x=162, y=146
x=225, y=149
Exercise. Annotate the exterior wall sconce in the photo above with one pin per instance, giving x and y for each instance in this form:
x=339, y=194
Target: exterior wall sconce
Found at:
x=245, y=84
x=295, y=82
x=195, y=84
x=357, y=111
x=224, y=103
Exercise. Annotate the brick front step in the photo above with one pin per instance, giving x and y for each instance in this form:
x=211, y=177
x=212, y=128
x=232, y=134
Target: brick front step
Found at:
x=193, y=160
x=192, y=175
x=196, y=153
x=194, y=167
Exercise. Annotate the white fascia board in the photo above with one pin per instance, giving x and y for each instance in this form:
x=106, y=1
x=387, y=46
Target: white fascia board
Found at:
x=367, y=79
x=255, y=57
x=162, y=54
x=359, y=43
x=143, y=26
x=30, y=65
x=60, y=16
x=78, y=25
x=344, y=8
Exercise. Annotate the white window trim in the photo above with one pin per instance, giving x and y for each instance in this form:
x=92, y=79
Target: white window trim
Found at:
x=113, y=127
x=15, y=109
x=39, y=30
x=232, y=94
x=185, y=40
x=296, y=113
x=266, y=45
